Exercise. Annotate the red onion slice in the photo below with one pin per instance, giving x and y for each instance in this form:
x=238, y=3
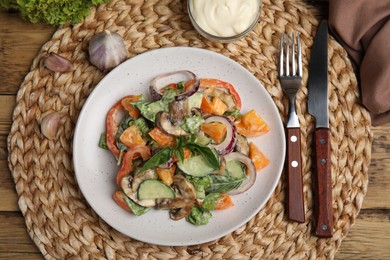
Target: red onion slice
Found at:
x=251, y=171
x=227, y=145
x=155, y=90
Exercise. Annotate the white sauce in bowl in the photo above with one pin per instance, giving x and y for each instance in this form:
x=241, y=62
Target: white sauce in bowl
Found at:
x=224, y=18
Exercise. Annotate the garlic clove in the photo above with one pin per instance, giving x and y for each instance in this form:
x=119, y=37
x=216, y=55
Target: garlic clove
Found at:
x=57, y=63
x=107, y=50
x=50, y=124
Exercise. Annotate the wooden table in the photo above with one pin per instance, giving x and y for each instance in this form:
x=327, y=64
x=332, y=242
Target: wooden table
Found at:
x=20, y=42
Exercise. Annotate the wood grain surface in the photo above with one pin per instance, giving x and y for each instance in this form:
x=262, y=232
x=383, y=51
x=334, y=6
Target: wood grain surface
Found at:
x=20, y=41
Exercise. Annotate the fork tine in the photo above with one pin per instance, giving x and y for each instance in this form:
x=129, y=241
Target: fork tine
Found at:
x=281, y=65
x=287, y=57
x=294, y=71
x=299, y=56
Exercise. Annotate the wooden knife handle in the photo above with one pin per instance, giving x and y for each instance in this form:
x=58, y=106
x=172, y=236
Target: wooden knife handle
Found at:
x=323, y=184
x=295, y=201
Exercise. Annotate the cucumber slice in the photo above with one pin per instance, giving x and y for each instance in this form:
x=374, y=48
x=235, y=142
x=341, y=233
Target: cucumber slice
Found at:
x=202, y=139
x=195, y=100
x=195, y=166
x=235, y=169
x=154, y=189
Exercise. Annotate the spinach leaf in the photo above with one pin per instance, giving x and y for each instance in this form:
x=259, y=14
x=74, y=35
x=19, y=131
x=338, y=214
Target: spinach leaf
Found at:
x=169, y=96
x=207, y=153
x=223, y=183
x=200, y=184
x=161, y=157
x=235, y=113
x=103, y=141
x=149, y=110
x=141, y=125
x=210, y=201
x=191, y=124
x=199, y=216
x=180, y=86
x=138, y=210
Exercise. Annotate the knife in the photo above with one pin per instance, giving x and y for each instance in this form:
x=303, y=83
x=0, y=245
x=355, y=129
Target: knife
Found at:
x=318, y=107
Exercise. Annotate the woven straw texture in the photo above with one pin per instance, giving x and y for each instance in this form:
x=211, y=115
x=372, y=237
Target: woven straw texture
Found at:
x=63, y=225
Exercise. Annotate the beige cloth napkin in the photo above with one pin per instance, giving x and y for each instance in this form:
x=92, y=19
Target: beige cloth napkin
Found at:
x=363, y=28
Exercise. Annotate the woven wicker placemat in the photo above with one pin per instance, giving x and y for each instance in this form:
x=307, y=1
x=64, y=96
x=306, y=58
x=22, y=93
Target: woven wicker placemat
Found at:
x=63, y=225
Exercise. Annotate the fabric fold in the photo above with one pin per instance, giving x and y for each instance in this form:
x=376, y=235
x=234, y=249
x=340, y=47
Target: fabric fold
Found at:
x=363, y=28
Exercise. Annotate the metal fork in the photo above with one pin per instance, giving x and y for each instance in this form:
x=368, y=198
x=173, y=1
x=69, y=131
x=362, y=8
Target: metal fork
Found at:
x=291, y=79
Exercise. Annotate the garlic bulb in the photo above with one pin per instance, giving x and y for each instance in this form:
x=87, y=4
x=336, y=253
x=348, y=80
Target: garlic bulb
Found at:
x=107, y=50
x=57, y=63
x=49, y=125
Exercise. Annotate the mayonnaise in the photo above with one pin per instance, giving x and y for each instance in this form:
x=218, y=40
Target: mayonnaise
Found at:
x=225, y=18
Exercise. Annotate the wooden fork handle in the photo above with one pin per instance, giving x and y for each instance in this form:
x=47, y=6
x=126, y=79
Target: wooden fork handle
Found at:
x=323, y=184
x=295, y=201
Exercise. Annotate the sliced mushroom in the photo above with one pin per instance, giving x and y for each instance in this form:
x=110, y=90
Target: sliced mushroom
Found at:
x=175, y=203
x=165, y=124
x=184, y=187
x=177, y=214
x=242, y=145
x=178, y=110
x=131, y=184
x=182, y=205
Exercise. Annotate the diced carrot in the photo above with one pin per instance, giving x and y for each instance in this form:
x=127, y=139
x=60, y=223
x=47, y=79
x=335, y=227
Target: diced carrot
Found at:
x=161, y=138
x=224, y=202
x=258, y=158
x=166, y=174
x=215, y=107
x=251, y=125
x=131, y=137
x=216, y=131
x=118, y=198
x=133, y=112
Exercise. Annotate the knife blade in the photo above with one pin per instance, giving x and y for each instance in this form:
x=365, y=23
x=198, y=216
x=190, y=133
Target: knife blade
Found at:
x=318, y=108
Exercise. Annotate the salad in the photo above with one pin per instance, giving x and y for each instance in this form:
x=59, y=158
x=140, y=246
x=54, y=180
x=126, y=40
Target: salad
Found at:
x=185, y=150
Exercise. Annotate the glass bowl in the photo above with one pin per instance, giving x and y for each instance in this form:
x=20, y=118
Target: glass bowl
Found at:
x=218, y=38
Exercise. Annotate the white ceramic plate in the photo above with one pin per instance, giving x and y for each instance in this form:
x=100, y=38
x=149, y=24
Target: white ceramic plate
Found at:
x=96, y=168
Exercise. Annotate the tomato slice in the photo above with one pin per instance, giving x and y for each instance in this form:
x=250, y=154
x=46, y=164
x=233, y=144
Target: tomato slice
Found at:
x=224, y=202
x=161, y=138
x=216, y=131
x=258, y=158
x=215, y=107
x=251, y=125
x=166, y=174
x=127, y=163
x=131, y=137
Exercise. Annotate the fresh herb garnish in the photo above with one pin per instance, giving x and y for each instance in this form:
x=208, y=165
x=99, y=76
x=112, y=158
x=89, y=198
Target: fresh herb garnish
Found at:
x=160, y=157
x=103, y=141
x=207, y=153
x=223, y=183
